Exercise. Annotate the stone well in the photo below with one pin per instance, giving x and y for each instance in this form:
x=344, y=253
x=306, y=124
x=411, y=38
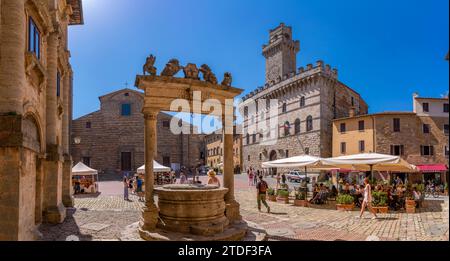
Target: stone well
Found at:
x=192, y=209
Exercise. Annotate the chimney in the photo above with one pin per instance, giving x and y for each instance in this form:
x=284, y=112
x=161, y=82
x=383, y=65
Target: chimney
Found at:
x=415, y=96
x=352, y=112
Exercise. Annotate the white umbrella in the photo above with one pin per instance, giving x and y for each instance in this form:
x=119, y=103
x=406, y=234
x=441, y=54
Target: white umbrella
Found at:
x=295, y=162
x=371, y=162
x=157, y=168
x=304, y=161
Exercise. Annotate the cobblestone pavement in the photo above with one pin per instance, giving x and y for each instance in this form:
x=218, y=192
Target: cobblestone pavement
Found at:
x=104, y=217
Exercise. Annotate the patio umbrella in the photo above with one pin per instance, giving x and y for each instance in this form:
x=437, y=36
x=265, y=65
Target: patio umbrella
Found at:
x=371, y=162
x=304, y=161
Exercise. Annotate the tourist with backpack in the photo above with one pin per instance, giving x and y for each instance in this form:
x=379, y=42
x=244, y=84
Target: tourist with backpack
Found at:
x=261, y=194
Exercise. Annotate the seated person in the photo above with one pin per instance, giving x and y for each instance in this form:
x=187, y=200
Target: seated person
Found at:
x=346, y=189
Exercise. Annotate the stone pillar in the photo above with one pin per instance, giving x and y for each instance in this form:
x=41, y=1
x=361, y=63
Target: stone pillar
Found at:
x=67, y=166
x=55, y=211
x=232, y=206
x=12, y=61
x=150, y=211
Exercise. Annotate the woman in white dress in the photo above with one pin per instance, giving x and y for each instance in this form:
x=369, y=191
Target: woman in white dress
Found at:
x=367, y=202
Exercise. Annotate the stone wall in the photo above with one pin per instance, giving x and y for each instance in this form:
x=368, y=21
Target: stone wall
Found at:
x=412, y=137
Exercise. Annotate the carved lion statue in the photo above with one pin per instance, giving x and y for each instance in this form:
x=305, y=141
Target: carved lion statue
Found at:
x=208, y=75
x=149, y=65
x=172, y=68
x=191, y=72
x=227, y=79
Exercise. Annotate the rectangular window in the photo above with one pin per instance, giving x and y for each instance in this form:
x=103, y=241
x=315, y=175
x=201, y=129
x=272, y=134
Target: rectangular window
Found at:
x=343, y=128
x=58, y=84
x=343, y=147
x=254, y=138
x=446, y=108
x=426, y=150
x=397, y=150
x=361, y=126
x=446, y=129
x=248, y=157
x=426, y=107
x=166, y=161
x=126, y=109
x=446, y=151
x=396, y=125
x=87, y=161
x=34, y=39
x=287, y=153
x=88, y=125
x=426, y=128
x=362, y=146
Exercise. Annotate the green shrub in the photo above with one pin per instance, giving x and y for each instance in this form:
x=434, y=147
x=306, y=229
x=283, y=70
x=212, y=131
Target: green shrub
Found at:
x=379, y=199
x=344, y=199
x=271, y=192
x=300, y=195
x=446, y=186
x=283, y=193
x=420, y=187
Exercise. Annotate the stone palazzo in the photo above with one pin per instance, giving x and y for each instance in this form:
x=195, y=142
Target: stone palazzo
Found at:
x=35, y=111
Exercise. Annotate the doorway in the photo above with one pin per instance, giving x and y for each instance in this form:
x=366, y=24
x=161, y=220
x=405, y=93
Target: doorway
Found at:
x=126, y=161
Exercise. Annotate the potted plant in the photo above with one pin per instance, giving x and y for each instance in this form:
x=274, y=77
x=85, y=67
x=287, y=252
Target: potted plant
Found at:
x=283, y=196
x=300, y=198
x=410, y=203
x=345, y=202
x=271, y=194
x=379, y=202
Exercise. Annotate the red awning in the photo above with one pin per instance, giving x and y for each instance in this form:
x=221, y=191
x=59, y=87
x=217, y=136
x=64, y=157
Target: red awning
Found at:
x=432, y=168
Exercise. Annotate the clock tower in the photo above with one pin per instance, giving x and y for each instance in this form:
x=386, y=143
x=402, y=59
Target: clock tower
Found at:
x=280, y=53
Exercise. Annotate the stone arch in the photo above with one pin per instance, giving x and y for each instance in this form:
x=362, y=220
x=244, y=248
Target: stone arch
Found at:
x=33, y=141
x=273, y=156
x=32, y=119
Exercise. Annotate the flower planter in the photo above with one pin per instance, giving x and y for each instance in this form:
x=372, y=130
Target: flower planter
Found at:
x=284, y=200
x=301, y=203
x=345, y=207
x=382, y=210
x=273, y=198
x=410, y=206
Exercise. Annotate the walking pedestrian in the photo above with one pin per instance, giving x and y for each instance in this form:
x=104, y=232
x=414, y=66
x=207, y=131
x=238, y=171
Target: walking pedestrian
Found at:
x=250, y=177
x=367, y=202
x=125, y=189
x=139, y=191
x=261, y=193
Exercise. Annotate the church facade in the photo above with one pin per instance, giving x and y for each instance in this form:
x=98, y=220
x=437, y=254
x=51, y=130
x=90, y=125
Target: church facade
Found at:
x=111, y=140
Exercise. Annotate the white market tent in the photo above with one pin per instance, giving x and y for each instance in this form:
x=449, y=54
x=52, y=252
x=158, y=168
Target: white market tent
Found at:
x=82, y=170
x=157, y=168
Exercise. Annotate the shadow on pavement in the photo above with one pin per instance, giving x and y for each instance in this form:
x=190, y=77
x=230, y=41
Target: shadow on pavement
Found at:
x=67, y=231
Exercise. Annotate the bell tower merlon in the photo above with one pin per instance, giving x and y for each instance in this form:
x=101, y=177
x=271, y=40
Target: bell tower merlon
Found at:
x=280, y=53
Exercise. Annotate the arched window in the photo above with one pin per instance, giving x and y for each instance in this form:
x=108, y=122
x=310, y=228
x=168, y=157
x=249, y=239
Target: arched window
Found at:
x=260, y=156
x=287, y=128
x=248, y=139
x=297, y=126
x=302, y=102
x=309, y=123
x=284, y=107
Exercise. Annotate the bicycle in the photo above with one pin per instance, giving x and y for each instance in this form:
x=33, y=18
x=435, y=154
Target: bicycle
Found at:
x=431, y=192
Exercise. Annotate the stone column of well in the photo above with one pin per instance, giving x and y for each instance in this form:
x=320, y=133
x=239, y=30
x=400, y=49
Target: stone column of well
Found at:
x=55, y=211
x=12, y=62
x=150, y=211
x=67, y=189
x=232, y=206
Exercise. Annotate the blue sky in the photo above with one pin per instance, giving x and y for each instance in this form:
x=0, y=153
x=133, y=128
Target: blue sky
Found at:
x=385, y=50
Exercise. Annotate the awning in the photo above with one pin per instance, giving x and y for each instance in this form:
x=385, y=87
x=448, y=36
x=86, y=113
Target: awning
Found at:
x=432, y=168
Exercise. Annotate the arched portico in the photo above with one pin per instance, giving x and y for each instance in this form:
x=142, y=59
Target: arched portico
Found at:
x=201, y=97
